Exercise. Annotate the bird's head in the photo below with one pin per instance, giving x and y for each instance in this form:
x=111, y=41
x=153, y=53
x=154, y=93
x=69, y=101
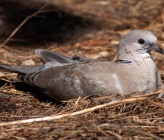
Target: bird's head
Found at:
x=137, y=44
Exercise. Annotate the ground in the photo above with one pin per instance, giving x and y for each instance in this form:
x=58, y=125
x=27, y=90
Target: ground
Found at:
x=85, y=28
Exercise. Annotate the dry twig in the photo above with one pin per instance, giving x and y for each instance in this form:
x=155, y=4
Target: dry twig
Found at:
x=113, y=103
x=20, y=25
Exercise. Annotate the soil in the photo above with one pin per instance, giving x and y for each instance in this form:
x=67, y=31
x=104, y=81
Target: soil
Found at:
x=89, y=29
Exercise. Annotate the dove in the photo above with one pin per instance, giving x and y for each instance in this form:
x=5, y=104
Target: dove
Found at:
x=63, y=77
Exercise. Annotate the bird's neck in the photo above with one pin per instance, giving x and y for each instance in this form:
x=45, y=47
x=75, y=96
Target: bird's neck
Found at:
x=133, y=57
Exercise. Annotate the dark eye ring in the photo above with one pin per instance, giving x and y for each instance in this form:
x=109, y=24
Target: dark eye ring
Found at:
x=141, y=41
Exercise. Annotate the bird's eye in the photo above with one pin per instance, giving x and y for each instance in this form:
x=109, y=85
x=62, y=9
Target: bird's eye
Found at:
x=141, y=41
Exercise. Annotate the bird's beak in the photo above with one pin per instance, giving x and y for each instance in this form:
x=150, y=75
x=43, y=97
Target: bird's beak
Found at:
x=155, y=48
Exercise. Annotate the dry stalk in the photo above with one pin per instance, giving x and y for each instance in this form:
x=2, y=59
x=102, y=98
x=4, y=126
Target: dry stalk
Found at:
x=22, y=23
x=112, y=103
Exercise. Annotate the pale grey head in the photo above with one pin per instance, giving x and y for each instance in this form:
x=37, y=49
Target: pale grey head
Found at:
x=136, y=45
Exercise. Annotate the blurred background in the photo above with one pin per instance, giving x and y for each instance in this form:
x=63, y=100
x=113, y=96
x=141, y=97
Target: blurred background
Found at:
x=75, y=27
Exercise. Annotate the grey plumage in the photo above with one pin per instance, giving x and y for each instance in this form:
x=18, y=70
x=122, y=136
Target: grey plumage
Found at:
x=63, y=77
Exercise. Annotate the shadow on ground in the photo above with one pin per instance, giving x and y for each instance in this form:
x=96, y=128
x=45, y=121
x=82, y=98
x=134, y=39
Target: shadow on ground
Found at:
x=52, y=24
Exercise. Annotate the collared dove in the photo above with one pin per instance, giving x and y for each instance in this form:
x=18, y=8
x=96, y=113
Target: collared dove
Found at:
x=63, y=77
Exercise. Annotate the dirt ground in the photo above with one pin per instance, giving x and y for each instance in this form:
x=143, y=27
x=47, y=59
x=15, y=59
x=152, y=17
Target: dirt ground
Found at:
x=85, y=28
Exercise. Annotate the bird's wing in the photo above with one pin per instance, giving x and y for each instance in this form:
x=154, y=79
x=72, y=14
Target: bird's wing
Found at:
x=49, y=56
x=70, y=81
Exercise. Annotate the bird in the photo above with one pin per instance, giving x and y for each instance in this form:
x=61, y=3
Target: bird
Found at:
x=63, y=77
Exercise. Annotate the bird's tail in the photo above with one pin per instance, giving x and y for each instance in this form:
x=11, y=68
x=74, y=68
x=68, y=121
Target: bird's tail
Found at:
x=20, y=69
x=50, y=58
